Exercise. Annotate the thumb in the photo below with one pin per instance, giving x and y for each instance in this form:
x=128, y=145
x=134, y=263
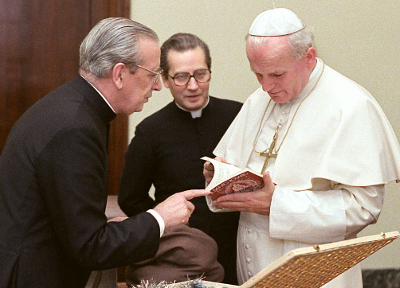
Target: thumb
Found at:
x=268, y=180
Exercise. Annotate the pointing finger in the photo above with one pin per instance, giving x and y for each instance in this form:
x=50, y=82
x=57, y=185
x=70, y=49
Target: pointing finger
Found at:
x=190, y=194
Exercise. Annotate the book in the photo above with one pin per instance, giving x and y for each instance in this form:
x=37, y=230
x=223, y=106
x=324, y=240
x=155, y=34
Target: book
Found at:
x=231, y=179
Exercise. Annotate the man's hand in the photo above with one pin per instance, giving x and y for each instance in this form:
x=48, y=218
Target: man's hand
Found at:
x=256, y=202
x=208, y=169
x=177, y=208
x=117, y=219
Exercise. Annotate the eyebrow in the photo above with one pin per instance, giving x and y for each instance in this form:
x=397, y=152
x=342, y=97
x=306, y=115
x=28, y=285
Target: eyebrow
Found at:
x=193, y=70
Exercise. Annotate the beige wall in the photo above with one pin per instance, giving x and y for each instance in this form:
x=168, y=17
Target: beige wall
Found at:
x=359, y=38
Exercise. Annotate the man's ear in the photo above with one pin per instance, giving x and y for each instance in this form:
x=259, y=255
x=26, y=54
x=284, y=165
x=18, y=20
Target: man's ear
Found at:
x=117, y=75
x=165, y=81
x=311, y=54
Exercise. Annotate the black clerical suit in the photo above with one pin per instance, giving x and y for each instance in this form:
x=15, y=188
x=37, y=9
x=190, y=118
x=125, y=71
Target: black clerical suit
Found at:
x=53, y=193
x=166, y=152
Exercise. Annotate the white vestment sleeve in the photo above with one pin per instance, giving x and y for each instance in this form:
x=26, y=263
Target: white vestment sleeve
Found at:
x=324, y=216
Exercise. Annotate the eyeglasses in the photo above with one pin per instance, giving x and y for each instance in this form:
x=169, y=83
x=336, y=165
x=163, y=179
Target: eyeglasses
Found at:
x=182, y=79
x=157, y=75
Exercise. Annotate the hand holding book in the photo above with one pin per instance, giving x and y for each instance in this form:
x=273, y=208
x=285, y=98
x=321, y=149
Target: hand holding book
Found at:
x=231, y=179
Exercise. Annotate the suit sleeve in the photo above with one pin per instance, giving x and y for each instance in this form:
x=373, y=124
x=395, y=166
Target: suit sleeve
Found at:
x=137, y=175
x=71, y=171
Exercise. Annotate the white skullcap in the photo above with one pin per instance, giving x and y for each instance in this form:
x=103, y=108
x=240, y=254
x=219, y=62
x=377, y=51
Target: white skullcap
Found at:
x=276, y=22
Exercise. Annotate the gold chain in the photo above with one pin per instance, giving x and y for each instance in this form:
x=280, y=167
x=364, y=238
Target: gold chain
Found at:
x=261, y=126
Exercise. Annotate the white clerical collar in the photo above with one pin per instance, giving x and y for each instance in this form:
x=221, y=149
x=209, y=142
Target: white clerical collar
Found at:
x=316, y=69
x=102, y=96
x=197, y=113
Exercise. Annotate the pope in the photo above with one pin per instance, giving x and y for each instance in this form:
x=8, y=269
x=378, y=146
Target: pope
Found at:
x=321, y=137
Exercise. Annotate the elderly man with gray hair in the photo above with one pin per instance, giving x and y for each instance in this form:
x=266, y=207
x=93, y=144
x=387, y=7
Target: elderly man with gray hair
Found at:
x=323, y=144
x=53, y=169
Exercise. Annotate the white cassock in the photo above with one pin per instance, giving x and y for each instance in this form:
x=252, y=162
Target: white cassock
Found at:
x=336, y=150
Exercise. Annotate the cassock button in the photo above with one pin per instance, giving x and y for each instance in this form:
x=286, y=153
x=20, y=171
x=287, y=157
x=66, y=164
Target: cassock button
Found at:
x=250, y=274
x=247, y=246
x=248, y=260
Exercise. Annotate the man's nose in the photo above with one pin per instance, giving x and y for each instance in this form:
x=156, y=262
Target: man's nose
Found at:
x=157, y=86
x=267, y=84
x=192, y=84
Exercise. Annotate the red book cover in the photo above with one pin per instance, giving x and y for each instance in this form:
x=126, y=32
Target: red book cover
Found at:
x=245, y=181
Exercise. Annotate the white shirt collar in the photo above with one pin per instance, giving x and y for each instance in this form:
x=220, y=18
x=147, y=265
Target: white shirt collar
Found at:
x=316, y=68
x=94, y=87
x=197, y=113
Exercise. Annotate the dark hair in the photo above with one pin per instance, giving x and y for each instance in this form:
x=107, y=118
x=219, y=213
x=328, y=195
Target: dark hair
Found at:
x=182, y=42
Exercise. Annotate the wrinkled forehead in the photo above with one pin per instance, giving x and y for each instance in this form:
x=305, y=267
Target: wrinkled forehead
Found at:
x=150, y=53
x=275, y=52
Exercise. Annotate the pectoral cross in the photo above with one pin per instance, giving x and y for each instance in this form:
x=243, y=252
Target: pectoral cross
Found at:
x=269, y=152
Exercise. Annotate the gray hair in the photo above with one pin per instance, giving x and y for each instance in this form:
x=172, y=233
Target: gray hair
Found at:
x=113, y=40
x=299, y=41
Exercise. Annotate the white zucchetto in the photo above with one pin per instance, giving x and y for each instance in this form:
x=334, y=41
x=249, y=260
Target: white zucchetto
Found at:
x=276, y=22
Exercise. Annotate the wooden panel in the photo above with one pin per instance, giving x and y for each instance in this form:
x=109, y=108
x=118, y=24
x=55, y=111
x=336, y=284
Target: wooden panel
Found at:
x=39, y=51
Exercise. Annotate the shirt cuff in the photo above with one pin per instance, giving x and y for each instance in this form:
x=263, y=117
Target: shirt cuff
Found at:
x=159, y=219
